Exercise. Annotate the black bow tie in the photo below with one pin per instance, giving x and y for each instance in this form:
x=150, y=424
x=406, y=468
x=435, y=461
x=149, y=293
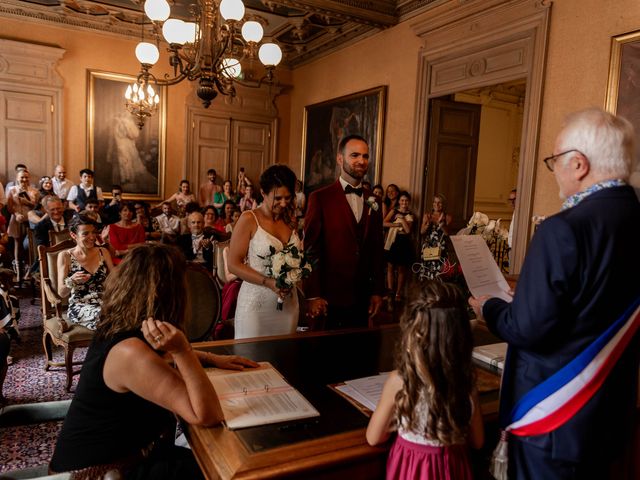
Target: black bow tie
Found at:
x=349, y=189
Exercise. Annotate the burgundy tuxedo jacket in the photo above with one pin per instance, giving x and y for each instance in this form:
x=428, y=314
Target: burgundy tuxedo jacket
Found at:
x=349, y=255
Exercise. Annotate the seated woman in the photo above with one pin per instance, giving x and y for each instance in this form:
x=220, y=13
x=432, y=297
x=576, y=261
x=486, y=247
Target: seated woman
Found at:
x=213, y=223
x=225, y=195
x=248, y=202
x=45, y=186
x=124, y=418
x=82, y=271
x=124, y=234
x=149, y=224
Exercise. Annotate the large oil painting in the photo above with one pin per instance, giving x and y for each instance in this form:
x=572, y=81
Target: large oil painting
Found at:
x=623, y=92
x=119, y=152
x=326, y=123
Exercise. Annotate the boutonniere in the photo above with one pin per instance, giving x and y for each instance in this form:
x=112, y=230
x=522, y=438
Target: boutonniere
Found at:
x=373, y=205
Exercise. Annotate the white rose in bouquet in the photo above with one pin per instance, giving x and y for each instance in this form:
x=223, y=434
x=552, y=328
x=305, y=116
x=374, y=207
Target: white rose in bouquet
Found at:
x=292, y=261
x=294, y=276
x=277, y=262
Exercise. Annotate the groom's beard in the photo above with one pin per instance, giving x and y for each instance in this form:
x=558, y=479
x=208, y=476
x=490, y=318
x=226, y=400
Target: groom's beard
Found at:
x=356, y=174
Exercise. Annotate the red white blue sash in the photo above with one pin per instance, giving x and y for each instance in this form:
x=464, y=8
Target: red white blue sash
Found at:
x=555, y=401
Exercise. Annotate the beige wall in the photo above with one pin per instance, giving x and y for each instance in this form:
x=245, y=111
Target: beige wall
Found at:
x=576, y=78
x=388, y=58
x=90, y=50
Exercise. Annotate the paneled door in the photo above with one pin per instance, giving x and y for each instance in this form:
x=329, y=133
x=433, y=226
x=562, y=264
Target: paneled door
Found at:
x=27, y=133
x=228, y=144
x=452, y=156
x=250, y=148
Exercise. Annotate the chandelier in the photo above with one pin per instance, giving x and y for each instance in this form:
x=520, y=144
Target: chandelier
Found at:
x=207, y=49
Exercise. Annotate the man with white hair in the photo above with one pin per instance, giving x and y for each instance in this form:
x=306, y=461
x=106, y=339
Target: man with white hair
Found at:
x=570, y=383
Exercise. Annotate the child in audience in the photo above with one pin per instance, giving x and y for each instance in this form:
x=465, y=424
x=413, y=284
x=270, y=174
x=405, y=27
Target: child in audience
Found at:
x=430, y=399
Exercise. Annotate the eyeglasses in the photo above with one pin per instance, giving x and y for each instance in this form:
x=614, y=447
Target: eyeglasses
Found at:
x=551, y=160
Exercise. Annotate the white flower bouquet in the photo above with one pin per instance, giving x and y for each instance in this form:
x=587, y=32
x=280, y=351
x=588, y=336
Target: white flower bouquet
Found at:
x=288, y=266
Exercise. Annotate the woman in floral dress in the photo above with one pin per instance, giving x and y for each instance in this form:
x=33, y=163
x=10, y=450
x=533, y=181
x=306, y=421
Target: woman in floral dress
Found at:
x=83, y=271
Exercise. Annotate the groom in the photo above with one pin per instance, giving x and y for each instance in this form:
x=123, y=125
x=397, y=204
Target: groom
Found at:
x=343, y=233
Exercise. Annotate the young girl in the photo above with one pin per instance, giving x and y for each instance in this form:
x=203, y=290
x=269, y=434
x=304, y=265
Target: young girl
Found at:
x=430, y=399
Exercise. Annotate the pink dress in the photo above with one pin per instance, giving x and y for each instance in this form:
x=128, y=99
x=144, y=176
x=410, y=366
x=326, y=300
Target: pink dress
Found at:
x=120, y=237
x=415, y=457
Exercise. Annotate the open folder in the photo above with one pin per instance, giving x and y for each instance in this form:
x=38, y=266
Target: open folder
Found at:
x=258, y=397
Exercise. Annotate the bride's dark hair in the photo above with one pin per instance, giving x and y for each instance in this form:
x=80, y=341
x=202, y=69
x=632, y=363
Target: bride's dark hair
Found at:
x=277, y=176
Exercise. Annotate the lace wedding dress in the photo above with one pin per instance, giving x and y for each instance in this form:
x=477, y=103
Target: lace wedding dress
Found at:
x=256, y=312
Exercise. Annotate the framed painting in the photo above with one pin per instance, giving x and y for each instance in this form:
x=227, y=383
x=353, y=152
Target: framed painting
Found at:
x=119, y=152
x=623, y=90
x=327, y=122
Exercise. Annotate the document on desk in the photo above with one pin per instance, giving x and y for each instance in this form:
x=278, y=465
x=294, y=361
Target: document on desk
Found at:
x=258, y=397
x=365, y=392
x=479, y=268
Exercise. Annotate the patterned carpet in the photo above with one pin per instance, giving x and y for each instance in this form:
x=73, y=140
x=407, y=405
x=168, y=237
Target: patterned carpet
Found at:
x=27, y=382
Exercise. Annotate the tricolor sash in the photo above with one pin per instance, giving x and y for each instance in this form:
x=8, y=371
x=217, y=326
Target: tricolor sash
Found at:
x=556, y=400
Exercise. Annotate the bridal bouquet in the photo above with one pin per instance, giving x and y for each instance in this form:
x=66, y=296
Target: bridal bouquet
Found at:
x=288, y=266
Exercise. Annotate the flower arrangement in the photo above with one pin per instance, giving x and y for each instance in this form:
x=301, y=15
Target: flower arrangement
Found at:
x=288, y=266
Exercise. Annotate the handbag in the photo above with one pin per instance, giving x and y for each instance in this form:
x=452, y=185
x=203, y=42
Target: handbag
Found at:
x=431, y=253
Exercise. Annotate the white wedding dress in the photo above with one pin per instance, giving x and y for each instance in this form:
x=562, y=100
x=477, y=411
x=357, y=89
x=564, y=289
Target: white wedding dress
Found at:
x=256, y=311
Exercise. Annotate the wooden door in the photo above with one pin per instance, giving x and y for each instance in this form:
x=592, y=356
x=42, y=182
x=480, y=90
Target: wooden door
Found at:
x=211, y=147
x=26, y=133
x=250, y=149
x=452, y=155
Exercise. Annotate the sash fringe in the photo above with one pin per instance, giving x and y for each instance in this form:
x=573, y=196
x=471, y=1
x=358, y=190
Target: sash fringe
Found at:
x=500, y=458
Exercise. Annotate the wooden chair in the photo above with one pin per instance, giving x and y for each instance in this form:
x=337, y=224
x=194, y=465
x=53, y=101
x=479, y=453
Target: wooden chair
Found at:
x=204, y=302
x=218, y=262
x=33, y=257
x=58, y=237
x=54, y=314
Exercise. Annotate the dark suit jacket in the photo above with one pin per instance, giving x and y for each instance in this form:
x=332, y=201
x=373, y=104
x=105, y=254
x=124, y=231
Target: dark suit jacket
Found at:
x=349, y=255
x=185, y=245
x=41, y=231
x=579, y=276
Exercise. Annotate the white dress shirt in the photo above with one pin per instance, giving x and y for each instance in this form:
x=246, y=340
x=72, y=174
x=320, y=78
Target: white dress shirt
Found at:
x=169, y=224
x=356, y=202
x=62, y=188
x=73, y=192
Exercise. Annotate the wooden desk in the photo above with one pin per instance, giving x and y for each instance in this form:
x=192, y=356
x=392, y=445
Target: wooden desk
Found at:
x=332, y=445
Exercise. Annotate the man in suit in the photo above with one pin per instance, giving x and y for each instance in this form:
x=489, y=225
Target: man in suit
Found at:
x=197, y=246
x=343, y=234
x=55, y=220
x=577, y=280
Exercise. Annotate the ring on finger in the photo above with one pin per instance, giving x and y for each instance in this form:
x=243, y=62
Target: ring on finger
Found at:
x=157, y=338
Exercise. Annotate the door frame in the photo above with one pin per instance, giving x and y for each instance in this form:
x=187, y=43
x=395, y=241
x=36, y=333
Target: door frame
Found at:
x=477, y=44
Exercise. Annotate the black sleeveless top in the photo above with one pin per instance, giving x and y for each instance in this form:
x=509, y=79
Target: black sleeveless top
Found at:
x=103, y=426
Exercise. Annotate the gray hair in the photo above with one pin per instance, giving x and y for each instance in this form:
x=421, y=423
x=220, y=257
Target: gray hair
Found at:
x=608, y=141
x=49, y=199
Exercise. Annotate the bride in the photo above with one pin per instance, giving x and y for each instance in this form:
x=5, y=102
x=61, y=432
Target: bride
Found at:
x=272, y=224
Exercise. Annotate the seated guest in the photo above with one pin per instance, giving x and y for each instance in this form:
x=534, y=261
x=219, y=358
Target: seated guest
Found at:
x=21, y=198
x=9, y=313
x=169, y=223
x=149, y=224
x=82, y=271
x=227, y=212
x=123, y=234
x=53, y=220
x=197, y=245
x=188, y=210
x=111, y=211
x=79, y=194
x=234, y=219
x=213, y=223
x=124, y=418
x=93, y=207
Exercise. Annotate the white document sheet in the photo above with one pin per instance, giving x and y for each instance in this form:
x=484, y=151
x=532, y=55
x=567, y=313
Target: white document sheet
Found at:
x=492, y=354
x=479, y=268
x=366, y=391
x=258, y=397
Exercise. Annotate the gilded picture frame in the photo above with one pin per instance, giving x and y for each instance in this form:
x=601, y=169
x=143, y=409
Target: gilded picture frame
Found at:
x=623, y=89
x=118, y=151
x=325, y=123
